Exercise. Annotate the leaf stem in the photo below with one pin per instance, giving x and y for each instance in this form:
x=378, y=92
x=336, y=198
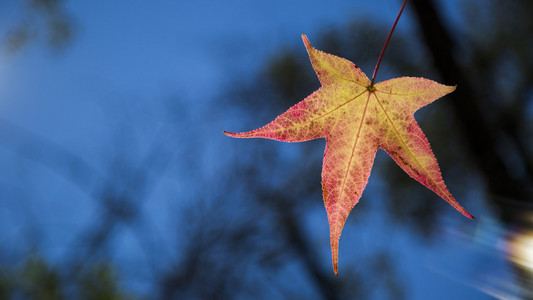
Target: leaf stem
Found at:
x=386, y=43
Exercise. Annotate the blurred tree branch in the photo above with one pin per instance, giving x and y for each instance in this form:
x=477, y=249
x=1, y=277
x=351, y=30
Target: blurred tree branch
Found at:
x=40, y=19
x=483, y=134
x=494, y=120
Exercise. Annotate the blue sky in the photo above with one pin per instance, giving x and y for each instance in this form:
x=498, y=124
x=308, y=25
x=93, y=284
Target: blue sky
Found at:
x=127, y=57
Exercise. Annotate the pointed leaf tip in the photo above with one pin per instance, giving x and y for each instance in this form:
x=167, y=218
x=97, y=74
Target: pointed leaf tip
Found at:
x=306, y=41
x=452, y=88
x=231, y=134
x=468, y=215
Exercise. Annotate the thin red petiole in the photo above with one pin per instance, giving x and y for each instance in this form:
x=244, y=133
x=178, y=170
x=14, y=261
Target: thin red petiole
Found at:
x=386, y=43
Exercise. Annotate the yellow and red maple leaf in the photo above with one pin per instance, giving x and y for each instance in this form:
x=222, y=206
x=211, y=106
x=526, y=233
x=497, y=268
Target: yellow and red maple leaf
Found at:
x=357, y=118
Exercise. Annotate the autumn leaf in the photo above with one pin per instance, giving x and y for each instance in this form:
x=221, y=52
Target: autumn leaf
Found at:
x=357, y=118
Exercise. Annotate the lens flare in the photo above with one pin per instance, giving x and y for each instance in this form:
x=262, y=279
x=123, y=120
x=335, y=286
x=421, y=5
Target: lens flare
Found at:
x=520, y=249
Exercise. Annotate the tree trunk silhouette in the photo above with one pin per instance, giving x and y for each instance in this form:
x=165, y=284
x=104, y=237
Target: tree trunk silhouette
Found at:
x=481, y=133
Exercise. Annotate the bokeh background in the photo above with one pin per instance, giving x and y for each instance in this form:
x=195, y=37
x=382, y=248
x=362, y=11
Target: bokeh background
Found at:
x=116, y=181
